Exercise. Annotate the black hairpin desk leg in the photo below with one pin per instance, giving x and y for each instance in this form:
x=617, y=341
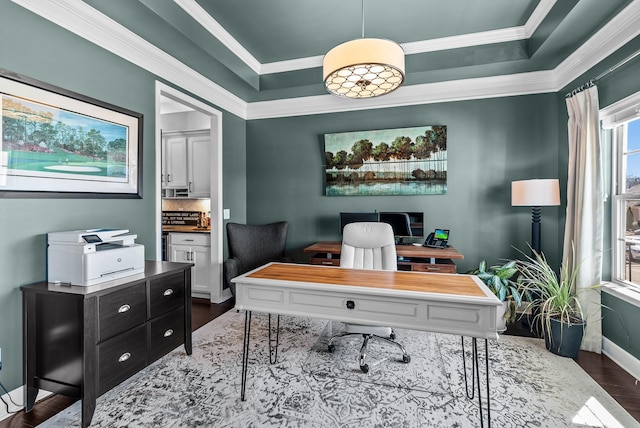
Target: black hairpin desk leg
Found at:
x=475, y=378
x=245, y=352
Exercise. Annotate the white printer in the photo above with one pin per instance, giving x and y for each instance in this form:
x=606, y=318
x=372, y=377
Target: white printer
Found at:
x=93, y=256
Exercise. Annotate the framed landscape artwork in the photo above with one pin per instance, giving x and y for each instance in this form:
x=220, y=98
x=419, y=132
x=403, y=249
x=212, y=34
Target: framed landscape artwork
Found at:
x=56, y=143
x=403, y=161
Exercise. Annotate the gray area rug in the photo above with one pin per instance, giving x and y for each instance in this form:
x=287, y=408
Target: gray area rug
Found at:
x=309, y=387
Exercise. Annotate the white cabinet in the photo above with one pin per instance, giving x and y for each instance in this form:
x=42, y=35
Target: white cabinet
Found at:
x=193, y=248
x=174, y=161
x=186, y=170
x=198, y=166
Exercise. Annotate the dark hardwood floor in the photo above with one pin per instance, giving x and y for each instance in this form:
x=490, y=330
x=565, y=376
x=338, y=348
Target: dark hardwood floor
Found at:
x=611, y=377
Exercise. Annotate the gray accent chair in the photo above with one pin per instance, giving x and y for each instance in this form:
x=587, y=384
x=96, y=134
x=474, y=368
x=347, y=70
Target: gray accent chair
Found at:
x=251, y=246
x=369, y=245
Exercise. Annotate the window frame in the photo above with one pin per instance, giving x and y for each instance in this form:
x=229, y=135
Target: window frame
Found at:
x=620, y=254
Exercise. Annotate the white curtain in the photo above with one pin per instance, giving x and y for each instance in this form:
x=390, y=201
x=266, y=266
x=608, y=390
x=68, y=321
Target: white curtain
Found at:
x=583, y=227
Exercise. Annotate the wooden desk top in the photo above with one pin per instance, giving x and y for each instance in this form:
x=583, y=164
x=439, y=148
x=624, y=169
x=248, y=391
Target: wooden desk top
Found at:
x=409, y=251
x=451, y=284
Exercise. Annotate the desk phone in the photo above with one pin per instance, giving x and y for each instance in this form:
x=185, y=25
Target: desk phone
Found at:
x=439, y=238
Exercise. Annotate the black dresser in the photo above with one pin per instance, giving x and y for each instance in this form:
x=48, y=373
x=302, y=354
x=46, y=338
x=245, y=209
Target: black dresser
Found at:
x=83, y=341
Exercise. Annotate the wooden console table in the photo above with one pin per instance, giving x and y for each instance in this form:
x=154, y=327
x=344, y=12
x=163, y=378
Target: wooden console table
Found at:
x=83, y=341
x=410, y=257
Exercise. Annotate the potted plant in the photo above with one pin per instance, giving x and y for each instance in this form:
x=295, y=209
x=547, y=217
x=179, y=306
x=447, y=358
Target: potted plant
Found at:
x=559, y=315
x=498, y=279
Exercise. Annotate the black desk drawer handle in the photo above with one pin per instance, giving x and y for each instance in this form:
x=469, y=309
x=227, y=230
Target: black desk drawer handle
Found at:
x=124, y=308
x=124, y=357
x=167, y=292
x=351, y=304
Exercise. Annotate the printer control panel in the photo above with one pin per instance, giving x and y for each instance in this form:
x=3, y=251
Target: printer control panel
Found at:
x=91, y=239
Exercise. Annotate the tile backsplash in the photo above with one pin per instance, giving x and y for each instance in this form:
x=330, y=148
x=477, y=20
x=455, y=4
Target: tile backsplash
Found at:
x=202, y=205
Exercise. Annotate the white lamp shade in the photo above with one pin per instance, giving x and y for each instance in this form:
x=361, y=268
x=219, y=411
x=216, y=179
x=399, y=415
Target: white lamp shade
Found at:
x=535, y=193
x=363, y=68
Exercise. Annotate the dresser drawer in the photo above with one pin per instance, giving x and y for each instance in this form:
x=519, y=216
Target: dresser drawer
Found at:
x=121, y=310
x=446, y=266
x=165, y=334
x=166, y=294
x=121, y=357
x=189, y=239
x=322, y=259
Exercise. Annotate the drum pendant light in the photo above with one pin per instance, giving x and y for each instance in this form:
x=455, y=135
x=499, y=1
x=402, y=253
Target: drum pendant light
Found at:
x=363, y=68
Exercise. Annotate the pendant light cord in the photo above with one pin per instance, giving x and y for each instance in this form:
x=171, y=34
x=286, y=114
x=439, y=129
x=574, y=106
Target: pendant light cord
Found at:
x=363, y=19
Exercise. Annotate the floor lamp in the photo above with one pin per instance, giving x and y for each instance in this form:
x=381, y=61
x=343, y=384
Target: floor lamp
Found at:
x=535, y=194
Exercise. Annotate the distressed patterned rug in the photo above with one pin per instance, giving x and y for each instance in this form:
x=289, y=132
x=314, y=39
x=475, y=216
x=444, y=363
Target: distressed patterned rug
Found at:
x=310, y=387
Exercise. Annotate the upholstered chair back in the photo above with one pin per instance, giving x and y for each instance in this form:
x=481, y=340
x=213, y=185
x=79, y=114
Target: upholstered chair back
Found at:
x=251, y=246
x=368, y=245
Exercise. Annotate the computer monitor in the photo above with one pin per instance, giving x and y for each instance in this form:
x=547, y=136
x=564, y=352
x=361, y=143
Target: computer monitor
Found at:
x=346, y=218
x=400, y=222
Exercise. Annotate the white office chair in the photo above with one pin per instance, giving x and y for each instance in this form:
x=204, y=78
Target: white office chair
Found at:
x=368, y=245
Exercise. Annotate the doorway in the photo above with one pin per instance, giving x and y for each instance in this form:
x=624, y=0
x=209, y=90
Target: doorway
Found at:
x=171, y=97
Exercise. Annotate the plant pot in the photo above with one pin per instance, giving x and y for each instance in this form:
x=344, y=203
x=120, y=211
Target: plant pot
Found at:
x=501, y=322
x=564, y=339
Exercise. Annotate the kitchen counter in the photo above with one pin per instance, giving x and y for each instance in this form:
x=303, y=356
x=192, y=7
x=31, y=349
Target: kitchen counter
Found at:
x=185, y=229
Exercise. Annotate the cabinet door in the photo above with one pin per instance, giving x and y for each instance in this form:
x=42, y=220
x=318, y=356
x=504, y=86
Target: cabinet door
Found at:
x=198, y=255
x=199, y=166
x=175, y=161
x=201, y=273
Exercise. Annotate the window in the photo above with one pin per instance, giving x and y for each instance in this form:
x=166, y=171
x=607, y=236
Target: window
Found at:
x=626, y=203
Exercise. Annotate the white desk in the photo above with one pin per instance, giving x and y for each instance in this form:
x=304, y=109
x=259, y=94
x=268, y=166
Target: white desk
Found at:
x=442, y=303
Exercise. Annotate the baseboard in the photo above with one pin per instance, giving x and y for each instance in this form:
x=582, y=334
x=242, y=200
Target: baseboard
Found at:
x=17, y=396
x=621, y=357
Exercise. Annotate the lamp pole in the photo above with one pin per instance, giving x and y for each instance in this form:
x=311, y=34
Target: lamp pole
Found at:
x=536, y=228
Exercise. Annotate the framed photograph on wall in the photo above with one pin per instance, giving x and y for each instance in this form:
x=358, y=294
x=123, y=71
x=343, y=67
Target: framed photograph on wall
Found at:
x=402, y=161
x=57, y=143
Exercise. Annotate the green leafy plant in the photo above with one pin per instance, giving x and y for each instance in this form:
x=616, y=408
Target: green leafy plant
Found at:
x=498, y=279
x=555, y=295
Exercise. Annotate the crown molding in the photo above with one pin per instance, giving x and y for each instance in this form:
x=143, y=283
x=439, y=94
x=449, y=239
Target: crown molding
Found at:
x=621, y=29
x=428, y=93
x=537, y=16
x=197, y=12
x=465, y=40
x=86, y=22
x=79, y=18
x=423, y=46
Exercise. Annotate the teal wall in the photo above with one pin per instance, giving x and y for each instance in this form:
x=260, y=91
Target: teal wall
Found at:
x=490, y=143
x=39, y=49
x=620, y=317
x=273, y=169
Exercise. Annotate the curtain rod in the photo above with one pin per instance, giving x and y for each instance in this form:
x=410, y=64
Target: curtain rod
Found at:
x=594, y=80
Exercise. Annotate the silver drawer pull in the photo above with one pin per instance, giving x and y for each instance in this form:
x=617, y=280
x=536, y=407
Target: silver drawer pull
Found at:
x=167, y=292
x=327, y=263
x=168, y=333
x=123, y=308
x=124, y=357
x=433, y=268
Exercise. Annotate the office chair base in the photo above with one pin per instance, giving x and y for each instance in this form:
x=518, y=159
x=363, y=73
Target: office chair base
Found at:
x=406, y=358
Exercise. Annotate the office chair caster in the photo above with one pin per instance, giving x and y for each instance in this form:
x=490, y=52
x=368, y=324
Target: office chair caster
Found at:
x=331, y=348
x=364, y=368
x=406, y=359
x=392, y=336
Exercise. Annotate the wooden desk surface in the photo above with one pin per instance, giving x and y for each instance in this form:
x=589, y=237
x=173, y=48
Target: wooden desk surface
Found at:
x=409, y=251
x=451, y=284
x=442, y=303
